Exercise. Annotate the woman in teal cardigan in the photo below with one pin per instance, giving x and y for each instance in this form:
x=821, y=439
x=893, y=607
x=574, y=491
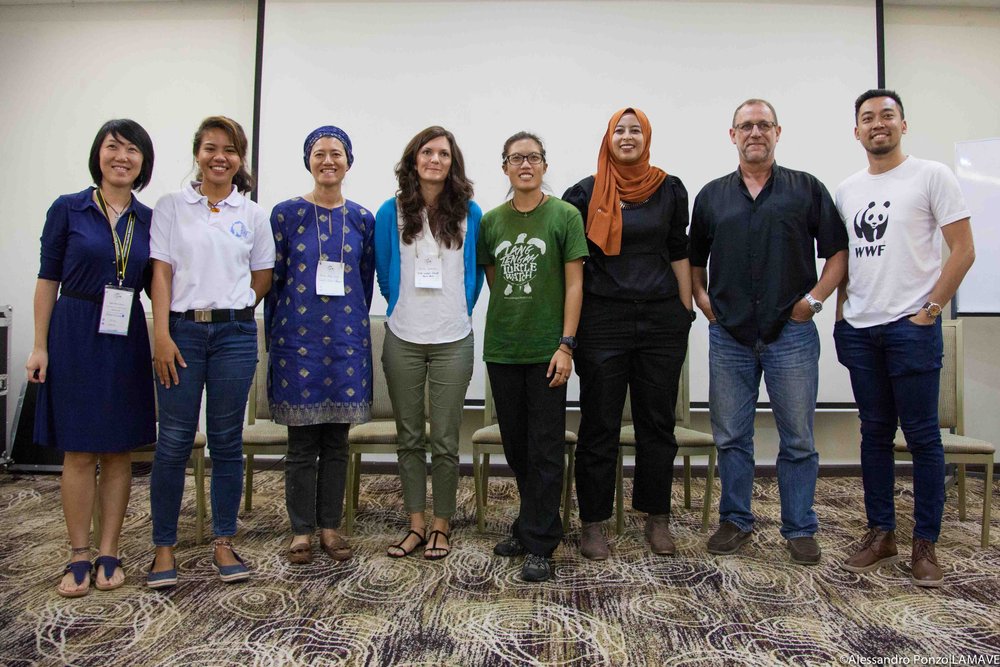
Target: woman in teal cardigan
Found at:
x=425, y=262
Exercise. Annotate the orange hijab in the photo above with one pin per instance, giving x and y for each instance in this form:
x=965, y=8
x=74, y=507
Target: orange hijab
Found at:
x=616, y=181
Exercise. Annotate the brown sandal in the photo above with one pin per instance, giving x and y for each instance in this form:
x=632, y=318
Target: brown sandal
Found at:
x=338, y=549
x=299, y=554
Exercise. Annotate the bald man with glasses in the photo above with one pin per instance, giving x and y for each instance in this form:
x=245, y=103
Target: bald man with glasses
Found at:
x=761, y=226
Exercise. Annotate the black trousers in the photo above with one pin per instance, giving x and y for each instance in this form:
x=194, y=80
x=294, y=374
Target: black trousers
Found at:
x=315, y=476
x=637, y=346
x=532, y=419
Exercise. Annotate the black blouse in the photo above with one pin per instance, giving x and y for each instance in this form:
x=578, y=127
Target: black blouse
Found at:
x=654, y=234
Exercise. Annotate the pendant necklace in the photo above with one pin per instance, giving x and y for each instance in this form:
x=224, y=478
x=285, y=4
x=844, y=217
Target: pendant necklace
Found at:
x=525, y=214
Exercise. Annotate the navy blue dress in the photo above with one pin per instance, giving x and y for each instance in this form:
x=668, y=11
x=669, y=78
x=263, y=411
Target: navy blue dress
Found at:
x=98, y=393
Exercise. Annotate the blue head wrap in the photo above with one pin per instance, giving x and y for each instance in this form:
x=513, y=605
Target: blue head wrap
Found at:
x=327, y=131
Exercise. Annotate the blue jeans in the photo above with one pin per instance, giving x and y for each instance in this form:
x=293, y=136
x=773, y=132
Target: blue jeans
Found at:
x=221, y=359
x=790, y=366
x=896, y=372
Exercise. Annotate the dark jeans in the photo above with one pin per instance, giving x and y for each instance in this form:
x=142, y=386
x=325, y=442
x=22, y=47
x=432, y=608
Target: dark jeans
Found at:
x=896, y=372
x=221, y=359
x=532, y=420
x=315, y=475
x=625, y=345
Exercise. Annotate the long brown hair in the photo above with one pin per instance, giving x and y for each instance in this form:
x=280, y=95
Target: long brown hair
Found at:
x=452, y=204
x=243, y=180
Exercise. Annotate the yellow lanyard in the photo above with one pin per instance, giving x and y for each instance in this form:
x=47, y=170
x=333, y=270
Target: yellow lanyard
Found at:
x=122, y=247
x=343, y=230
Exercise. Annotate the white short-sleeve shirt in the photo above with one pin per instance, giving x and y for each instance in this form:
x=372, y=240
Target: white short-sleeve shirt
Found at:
x=894, y=222
x=211, y=253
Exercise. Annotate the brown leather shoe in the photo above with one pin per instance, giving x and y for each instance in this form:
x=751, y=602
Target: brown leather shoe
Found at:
x=804, y=550
x=878, y=548
x=299, y=554
x=727, y=539
x=658, y=535
x=337, y=548
x=924, y=568
x=592, y=542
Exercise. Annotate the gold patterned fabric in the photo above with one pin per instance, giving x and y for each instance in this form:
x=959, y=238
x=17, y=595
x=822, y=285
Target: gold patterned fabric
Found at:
x=320, y=347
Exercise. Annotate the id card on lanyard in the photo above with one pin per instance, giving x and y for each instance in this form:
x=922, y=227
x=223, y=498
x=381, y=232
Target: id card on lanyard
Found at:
x=116, y=310
x=428, y=267
x=330, y=275
x=116, y=307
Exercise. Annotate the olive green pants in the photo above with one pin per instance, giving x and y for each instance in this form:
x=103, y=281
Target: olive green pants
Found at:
x=445, y=369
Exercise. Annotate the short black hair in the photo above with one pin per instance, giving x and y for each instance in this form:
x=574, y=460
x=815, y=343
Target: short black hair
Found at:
x=878, y=92
x=128, y=130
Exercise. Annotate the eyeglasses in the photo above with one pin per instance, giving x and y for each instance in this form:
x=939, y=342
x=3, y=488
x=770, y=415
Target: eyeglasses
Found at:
x=517, y=159
x=762, y=125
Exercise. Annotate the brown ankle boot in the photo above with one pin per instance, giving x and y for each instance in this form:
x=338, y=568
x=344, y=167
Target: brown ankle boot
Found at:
x=592, y=542
x=924, y=568
x=658, y=535
x=878, y=548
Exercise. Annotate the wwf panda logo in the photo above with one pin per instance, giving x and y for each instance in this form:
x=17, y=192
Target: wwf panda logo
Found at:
x=871, y=221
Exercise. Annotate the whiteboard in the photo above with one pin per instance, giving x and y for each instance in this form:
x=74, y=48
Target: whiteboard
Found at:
x=385, y=70
x=977, y=165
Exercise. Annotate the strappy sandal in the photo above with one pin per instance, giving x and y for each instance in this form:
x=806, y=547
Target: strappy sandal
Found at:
x=338, y=549
x=442, y=552
x=110, y=564
x=299, y=554
x=79, y=569
x=403, y=552
x=234, y=573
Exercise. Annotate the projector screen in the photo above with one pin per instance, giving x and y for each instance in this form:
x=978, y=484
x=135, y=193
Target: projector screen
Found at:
x=382, y=71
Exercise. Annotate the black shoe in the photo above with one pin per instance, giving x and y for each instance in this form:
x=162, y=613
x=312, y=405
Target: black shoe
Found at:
x=727, y=539
x=509, y=548
x=536, y=568
x=804, y=550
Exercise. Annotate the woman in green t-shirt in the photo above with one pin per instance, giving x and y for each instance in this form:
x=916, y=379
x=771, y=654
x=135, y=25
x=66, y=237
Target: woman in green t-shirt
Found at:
x=532, y=247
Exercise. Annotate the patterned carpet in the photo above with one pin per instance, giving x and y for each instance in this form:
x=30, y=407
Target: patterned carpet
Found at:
x=472, y=609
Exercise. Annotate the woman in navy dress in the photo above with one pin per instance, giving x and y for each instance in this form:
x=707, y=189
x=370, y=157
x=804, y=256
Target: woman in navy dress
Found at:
x=320, y=377
x=95, y=402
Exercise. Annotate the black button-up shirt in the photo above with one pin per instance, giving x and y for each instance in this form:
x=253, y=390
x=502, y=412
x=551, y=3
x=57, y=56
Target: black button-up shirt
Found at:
x=762, y=249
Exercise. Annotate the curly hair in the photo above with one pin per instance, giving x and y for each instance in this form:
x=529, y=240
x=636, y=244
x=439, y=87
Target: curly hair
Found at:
x=446, y=217
x=243, y=180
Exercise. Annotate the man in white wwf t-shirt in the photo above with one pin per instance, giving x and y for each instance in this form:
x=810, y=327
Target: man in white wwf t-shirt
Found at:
x=888, y=332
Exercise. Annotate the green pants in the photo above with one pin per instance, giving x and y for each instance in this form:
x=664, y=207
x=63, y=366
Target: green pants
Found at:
x=445, y=369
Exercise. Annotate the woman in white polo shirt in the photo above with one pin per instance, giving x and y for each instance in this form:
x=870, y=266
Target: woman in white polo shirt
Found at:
x=213, y=255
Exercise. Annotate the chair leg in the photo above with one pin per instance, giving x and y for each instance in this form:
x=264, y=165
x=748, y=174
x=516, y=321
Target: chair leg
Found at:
x=687, y=482
x=96, y=521
x=350, y=495
x=709, y=486
x=200, y=506
x=484, y=473
x=248, y=493
x=619, y=496
x=960, y=474
x=568, y=472
x=987, y=502
x=357, y=480
x=477, y=485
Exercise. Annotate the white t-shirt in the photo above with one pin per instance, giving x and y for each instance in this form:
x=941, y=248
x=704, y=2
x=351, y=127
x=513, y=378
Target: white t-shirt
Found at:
x=894, y=223
x=429, y=316
x=212, y=254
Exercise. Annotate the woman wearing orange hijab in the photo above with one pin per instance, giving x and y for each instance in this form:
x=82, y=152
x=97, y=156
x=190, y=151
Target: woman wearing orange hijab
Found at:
x=633, y=328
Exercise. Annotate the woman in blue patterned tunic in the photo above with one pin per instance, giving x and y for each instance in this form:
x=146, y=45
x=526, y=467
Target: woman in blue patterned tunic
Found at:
x=320, y=380
x=95, y=402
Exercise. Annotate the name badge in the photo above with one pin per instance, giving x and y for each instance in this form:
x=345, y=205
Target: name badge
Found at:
x=428, y=273
x=330, y=278
x=116, y=310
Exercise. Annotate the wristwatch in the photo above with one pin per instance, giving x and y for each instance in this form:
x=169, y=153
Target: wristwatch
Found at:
x=568, y=341
x=932, y=309
x=814, y=305
x=694, y=314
